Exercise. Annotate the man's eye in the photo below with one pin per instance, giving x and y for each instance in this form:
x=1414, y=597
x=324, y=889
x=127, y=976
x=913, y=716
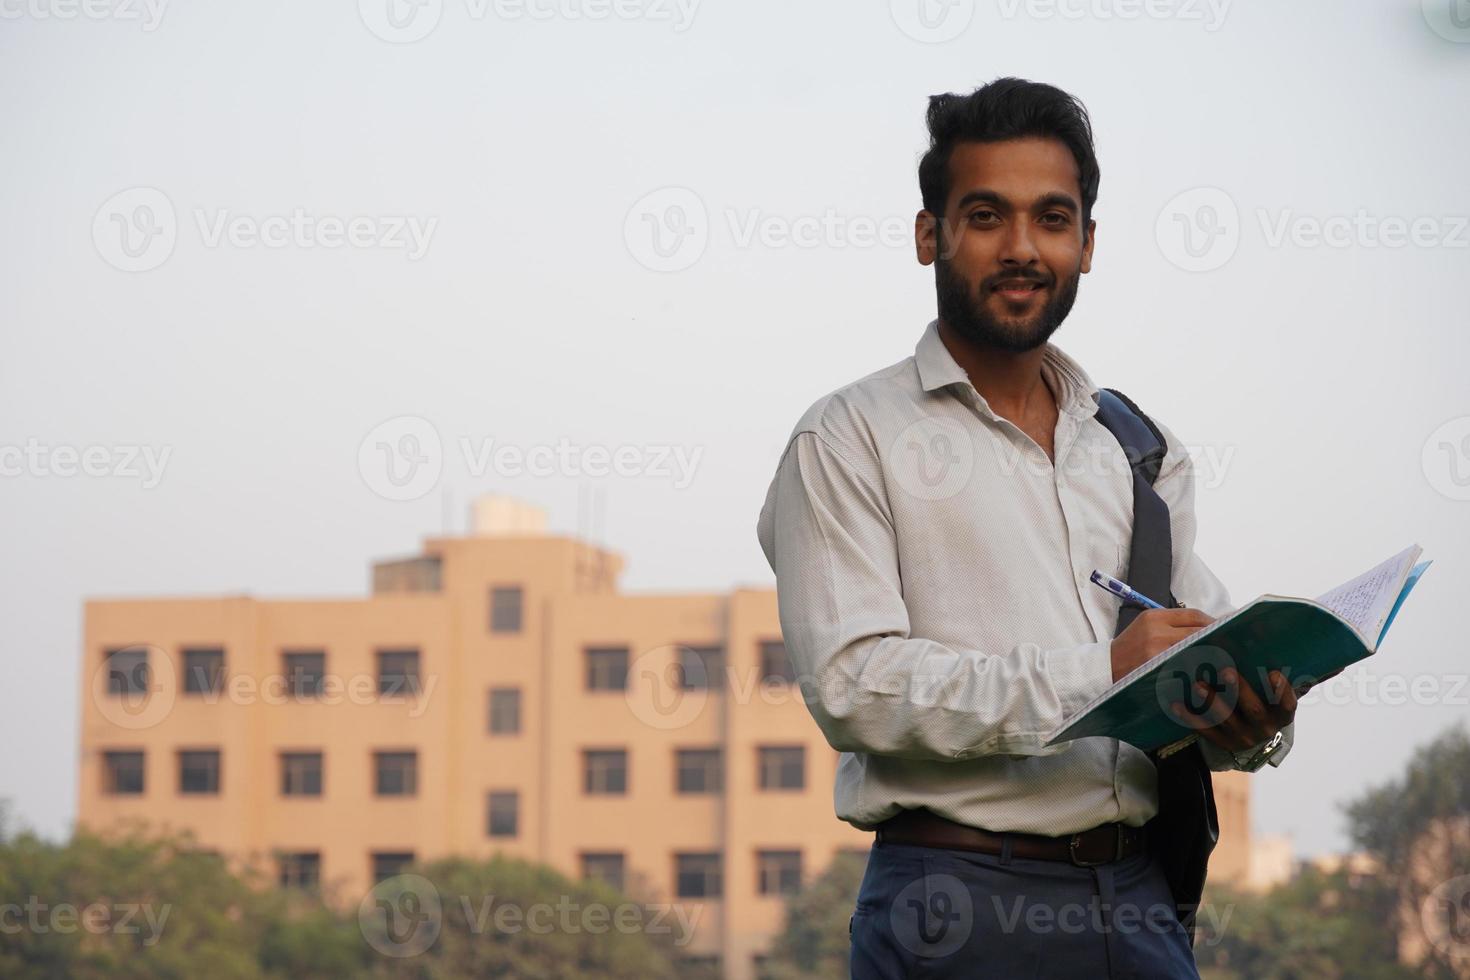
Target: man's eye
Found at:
x=983, y=215
x=1054, y=218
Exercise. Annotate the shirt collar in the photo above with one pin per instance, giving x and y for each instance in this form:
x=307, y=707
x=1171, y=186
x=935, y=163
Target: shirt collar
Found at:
x=938, y=368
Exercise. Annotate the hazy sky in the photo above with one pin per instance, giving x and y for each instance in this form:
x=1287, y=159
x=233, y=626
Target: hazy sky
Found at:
x=237, y=238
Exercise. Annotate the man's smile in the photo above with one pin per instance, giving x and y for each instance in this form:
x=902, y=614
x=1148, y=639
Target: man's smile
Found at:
x=1017, y=290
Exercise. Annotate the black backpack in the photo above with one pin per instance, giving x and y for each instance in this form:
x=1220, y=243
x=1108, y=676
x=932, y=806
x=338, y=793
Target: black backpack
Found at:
x=1187, y=827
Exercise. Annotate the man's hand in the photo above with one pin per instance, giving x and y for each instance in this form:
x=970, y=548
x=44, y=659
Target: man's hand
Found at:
x=1234, y=717
x=1151, y=633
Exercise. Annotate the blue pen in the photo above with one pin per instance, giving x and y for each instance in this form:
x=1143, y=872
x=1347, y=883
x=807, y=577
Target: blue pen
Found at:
x=1123, y=590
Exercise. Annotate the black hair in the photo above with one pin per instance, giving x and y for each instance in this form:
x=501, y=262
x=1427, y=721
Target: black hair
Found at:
x=1007, y=108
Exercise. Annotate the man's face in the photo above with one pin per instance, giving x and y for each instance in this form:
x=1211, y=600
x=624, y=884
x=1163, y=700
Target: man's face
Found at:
x=1013, y=246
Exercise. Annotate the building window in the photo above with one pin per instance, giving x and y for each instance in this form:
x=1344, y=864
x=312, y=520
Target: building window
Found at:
x=778, y=872
x=701, y=667
x=204, y=671
x=395, y=773
x=505, y=710
x=398, y=672
x=700, y=966
x=504, y=806
x=305, y=672
x=386, y=864
x=301, y=774
x=506, y=602
x=606, y=771
x=699, y=771
x=299, y=869
x=697, y=875
x=122, y=773
x=782, y=766
x=607, y=668
x=604, y=866
x=127, y=670
x=775, y=664
x=199, y=771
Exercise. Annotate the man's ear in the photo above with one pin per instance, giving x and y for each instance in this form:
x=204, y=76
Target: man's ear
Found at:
x=1087, y=245
x=926, y=237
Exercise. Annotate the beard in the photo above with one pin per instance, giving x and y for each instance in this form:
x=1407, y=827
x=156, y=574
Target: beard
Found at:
x=965, y=311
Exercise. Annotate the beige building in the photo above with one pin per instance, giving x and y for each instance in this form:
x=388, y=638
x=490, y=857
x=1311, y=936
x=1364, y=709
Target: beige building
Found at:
x=495, y=694
x=1273, y=862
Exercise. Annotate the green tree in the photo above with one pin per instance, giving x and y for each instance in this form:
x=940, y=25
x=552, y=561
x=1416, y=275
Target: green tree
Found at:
x=814, y=942
x=161, y=908
x=133, y=907
x=1315, y=927
x=510, y=918
x=1418, y=827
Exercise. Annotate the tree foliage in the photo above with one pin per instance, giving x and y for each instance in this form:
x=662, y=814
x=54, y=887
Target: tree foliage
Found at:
x=815, y=942
x=1418, y=827
x=509, y=918
x=138, y=907
x=1390, y=820
x=1318, y=926
x=141, y=907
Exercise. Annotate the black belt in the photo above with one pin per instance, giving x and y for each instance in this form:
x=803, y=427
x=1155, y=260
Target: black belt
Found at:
x=1100, y=845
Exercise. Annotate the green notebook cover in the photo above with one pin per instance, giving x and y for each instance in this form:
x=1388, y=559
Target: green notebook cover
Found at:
x=1307, y=639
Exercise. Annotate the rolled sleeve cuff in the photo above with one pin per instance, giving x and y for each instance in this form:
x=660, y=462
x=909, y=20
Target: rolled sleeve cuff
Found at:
x=1288, y=735
x=1222, y=760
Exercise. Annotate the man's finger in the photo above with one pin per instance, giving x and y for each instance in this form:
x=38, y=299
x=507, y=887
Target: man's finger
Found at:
x=1288, y=696
x=1215, y=706
x=1248, y=706
x=1191, y=720
x=1285, y=707
x=1221, y=718
x=1223, y=737
x=1190, y=618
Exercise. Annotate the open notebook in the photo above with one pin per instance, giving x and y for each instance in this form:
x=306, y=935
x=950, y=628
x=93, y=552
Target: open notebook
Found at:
x=1306, y=639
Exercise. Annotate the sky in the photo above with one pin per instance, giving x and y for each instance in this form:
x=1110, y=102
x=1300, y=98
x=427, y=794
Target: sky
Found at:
x=566, y=248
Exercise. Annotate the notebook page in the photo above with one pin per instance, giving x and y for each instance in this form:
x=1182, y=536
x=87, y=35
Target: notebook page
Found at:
x=1365, y=601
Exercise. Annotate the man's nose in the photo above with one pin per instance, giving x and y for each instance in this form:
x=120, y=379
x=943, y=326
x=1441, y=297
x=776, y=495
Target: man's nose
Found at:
x=1018, y=247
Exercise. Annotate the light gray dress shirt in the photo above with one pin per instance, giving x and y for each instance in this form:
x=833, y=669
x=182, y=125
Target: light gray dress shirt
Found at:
x=932, y=574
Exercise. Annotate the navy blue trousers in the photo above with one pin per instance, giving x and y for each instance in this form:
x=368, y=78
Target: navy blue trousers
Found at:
x=930, y=912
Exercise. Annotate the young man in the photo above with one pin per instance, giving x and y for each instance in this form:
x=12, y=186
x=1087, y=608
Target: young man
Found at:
x=932, y=528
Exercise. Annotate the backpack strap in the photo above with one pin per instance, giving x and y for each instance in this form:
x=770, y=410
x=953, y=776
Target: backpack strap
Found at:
x=1141, y=438
x=1151, y=556
x=1187, y=826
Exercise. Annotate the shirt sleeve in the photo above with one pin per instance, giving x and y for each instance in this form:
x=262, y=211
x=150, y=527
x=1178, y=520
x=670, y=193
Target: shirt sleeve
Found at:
x=870, y=685
x=1193, y=582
